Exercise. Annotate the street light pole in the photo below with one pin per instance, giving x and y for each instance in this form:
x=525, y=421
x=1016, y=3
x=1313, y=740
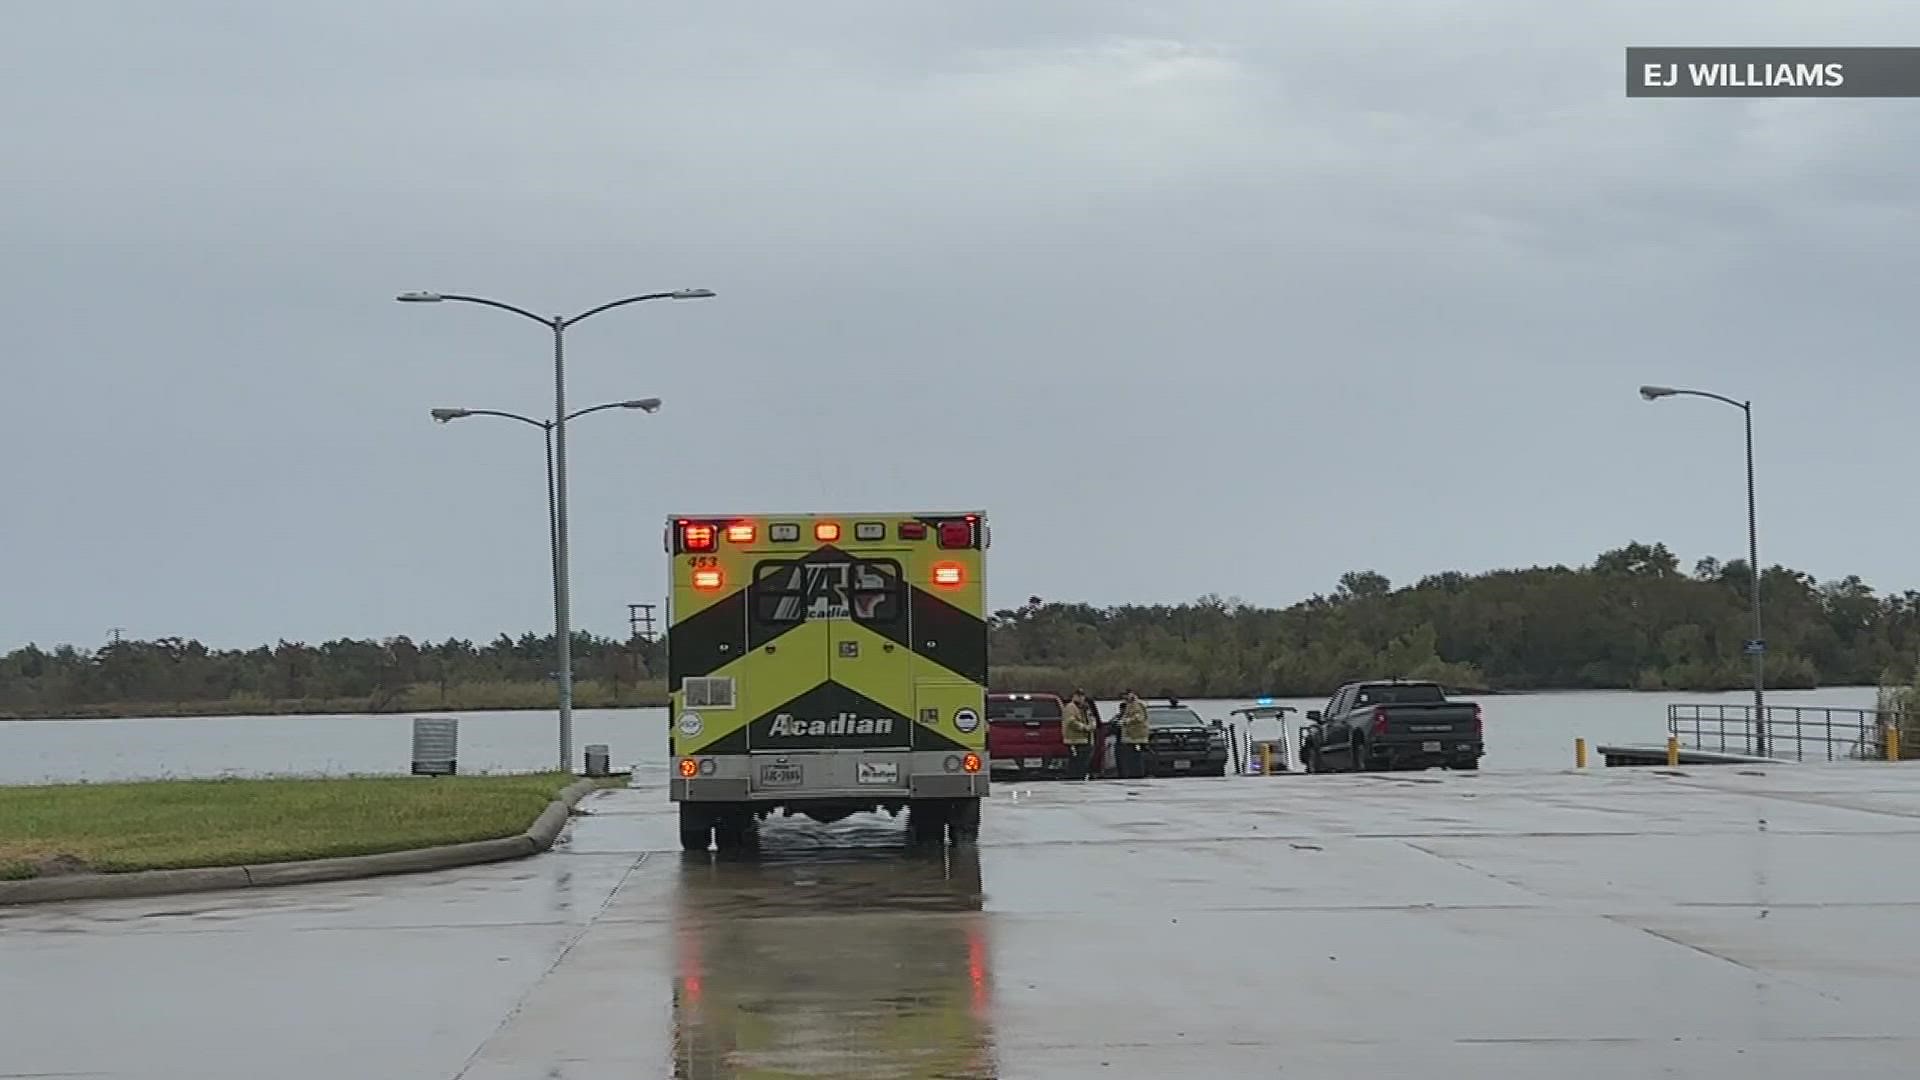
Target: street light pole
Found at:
x=547, y=427
x=1753, y=565
x=562, y=628
x=562, y=610
x=650, y=405
x=1757, y=647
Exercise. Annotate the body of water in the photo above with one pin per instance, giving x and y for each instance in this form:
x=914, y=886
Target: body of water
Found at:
x=1524, y=731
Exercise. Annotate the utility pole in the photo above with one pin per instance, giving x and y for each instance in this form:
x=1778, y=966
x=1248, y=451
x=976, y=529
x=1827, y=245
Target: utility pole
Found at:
x=640, y=621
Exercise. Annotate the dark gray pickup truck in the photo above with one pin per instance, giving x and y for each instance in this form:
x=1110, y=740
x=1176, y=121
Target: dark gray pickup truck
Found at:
x=1390, y=725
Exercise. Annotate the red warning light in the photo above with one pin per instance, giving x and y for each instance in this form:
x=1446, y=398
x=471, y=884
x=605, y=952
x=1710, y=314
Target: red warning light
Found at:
x=956, y=534
x=740, y=534
x=826, y=532
x=913, y=530
x=696, y=536
x=706, y=579
x=949, y=575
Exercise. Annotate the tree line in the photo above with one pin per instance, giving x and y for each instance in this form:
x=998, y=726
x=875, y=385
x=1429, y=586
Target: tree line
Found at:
x=1632, y=619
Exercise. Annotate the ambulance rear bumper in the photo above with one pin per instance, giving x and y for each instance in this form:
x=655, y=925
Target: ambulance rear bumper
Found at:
x=882, y=776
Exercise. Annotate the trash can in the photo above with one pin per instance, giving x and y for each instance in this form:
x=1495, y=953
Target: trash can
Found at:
x=597, y=760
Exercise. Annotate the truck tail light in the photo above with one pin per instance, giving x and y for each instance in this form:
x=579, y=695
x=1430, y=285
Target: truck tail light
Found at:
x=949, y=575
x=970, y=763
x=956, y=534
x=740, y=534
x=1379, y=720
x=688, y=768
x=696, y=536
x=707, y=580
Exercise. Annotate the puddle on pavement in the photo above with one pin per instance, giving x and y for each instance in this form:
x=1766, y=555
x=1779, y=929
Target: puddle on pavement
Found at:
x=832, y=951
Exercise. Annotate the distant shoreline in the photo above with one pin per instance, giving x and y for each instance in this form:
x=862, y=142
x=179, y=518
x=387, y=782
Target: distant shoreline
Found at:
x=412, y=705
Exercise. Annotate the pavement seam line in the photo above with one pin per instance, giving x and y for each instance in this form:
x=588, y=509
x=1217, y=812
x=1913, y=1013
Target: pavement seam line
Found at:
x=1761, y=973
x=540, y=836
x=520, y=1004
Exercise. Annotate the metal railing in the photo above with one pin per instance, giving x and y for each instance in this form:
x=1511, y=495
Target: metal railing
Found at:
x=1792, y=732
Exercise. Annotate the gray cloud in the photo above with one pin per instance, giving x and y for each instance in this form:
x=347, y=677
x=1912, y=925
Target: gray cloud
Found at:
x=1225, y=298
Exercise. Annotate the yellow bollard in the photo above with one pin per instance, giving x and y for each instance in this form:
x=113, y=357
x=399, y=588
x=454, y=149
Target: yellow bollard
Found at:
x=1579, y=753
x=1893, y=742
x=1266, y=759
x=1673, y=751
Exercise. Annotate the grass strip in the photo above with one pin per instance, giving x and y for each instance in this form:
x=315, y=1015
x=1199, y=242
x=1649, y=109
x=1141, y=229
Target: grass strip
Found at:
x=178, y=824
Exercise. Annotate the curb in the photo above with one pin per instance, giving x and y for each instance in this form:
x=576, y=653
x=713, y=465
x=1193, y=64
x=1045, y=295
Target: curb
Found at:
x=538, y=837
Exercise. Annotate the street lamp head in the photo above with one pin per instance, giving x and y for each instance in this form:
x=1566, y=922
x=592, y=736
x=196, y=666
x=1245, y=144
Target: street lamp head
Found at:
x=651, y=405
x=1652, y=392
x=692, y=294
x=419, y=298
x=444, y=415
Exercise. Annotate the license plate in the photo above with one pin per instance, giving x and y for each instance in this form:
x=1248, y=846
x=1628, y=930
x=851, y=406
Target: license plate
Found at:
x=1183, y=764
x=1429, y=747
x=779, y=776
x=1031, y=762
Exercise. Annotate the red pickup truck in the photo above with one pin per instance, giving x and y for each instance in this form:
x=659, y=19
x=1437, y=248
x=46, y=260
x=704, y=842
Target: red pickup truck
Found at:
x=1023, y=735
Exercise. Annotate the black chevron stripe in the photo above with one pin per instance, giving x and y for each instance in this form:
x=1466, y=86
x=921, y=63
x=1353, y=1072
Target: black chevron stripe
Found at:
x=707, y=640
x=934, y=629
x=948, y=636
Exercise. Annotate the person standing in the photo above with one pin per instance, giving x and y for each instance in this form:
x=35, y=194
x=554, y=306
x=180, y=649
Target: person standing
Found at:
x=1076, y=730
x=1134, y=733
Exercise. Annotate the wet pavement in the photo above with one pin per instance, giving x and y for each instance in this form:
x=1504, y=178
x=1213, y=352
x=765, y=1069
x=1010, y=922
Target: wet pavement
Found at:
x=1622, y=923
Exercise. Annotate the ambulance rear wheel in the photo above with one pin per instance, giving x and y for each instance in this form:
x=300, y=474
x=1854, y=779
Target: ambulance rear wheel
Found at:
x=696, y=827
x=963, y=821
x=927, y=821
x=735, y=830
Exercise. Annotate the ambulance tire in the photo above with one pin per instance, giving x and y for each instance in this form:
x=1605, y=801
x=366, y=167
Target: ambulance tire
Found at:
x=736, y=830
x=927, y=821
x=696, y=827
x=963, y=821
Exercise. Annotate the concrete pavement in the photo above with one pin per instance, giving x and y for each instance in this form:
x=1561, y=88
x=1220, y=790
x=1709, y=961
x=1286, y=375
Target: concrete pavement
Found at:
x=1727, y=922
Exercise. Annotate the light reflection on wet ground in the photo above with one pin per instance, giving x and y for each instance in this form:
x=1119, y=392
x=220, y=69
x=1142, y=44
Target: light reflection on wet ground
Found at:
x=1718, y=924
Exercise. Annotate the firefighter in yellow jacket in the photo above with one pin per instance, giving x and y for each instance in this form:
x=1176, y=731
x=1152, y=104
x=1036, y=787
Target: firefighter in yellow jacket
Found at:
x=1076, y=730
x=1132, y=743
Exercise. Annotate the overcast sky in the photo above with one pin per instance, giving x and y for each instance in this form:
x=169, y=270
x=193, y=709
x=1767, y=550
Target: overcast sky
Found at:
x=1215, y=296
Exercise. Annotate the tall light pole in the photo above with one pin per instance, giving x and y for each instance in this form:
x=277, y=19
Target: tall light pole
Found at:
x=562, y=625
x=1756, y=647
x=649, y=405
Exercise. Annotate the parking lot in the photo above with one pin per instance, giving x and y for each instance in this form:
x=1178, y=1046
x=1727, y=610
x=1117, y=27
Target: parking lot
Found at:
x=1737, y=923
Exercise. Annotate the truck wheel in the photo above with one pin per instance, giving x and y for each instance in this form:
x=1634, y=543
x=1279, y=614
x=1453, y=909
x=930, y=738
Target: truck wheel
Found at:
x=696, y=827
x=927, y=821
x=963, y=821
